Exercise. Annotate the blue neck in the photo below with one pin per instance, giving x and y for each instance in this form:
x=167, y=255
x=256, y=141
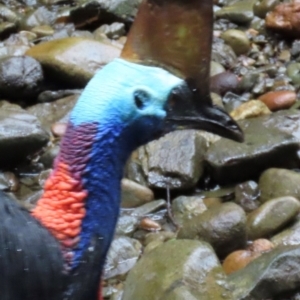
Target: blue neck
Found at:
x=101, y=178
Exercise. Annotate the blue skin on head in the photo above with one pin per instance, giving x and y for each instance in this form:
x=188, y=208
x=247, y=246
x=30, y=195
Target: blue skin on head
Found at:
x=127, y=101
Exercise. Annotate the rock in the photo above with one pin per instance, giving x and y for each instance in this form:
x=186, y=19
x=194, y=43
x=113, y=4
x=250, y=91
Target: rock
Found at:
x=112, y=31
x=271, y=217
x=47, y=159
x=174, y=160
x=59, y=129
x=134, y=194
x=289, y=236
x=223, y=54
x=41, y=16
x=223, y=226
x=8, y=182
x=43, y=30
x=127, y=225
x=223, y=82
x=239, y=259
x=250, y=109
x=285, y=19
x=278, y=99
x=237, y=39
x=20, y=77
x=293, y=72
x=262, y=7
x=21, y=134
x=215, y=68
x=149, y=208
x=149, y=225
x=276, y=145
x=50, y=96
x=122, y=256
x=51, y=112
x=274, y=183
x=239, y=11
x=232, y=101
x=191, y=272
x=246, y=195
x=73, y=60
x=271, y=274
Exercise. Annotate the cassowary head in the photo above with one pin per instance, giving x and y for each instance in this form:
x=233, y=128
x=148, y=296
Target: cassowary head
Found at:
x=140, y=103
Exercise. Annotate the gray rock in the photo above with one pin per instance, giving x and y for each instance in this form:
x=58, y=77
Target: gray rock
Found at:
x=276, y=145
x=175, y=160
x=134, y=194
x=223, y=54
x=223, y=226
x=238, y=12
x=112, y=31
x=126, y=225
x=246, y=195
x=122, y=256
x=275, y=183
x=149, y=208
x=20, y=77
x=271, y=216
x=21, y=134
x=269, y=275
x=50, y=96
x=176, y=270
x=51, y=112
x=41, y=16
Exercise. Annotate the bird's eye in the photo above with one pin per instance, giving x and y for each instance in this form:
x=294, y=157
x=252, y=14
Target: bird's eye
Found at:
x=141, y=98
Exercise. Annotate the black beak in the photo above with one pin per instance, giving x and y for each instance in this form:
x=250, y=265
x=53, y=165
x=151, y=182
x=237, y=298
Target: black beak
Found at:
x=188, y=109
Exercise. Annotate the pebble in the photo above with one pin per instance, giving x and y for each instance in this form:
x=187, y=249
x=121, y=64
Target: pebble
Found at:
x=237, y=39
x=223, y=82
x=149, y=225
x=279, y=99
x=271, y=217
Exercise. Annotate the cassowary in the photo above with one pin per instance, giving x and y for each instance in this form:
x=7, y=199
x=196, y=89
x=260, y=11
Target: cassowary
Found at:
x=57, y=252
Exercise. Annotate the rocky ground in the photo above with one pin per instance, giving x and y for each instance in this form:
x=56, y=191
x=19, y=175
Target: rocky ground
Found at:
x=236, y=205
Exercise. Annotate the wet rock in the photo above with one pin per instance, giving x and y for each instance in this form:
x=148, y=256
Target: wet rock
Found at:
x=276, y=145
x=48, y=157
x=41, y=16
x=237, y=39
x=134, y=194
x=175, y=160
x=278, y=99
x=8, y=182
x=274, y=183
x=112, y=31
x=149, y=208
x=239, y=259
x=122, y=256
x=20, y=77
x=51, y=112
x=285, y=19
x=73, y=60
x=262, y=7
x=271, y=216
x=289, y=236
x=246, y=195
x=238, y=12
x=250, y=109
x=223, y=226
x=149, y=225
x=215, y=68
x=293, y=72
x=49, y=96
x=269, y=275
x=223, y=82
x=223, y=54
x=191, y=272
x=21, y=134
x=126, y=225
x=232, y=101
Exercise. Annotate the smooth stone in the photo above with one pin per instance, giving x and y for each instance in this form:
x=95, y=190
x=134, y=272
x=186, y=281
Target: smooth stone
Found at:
x=289, y=236
x=20, y=77
x=237, y=39
x=269, y=275
x=271, y=217
x=127, y=225
x=246, y=195
x=51, y=112
x=49, y=96
x=73, y=60
x=174, y=160
x=176, y=270
x=262, y=7
x=149, y=208
x=134, y=194
x=216, y=68
x=238, y=12
x=250, y=109
x=276, y=100
x=112, y=31
x=122, y=256
x=223, y=82
x=161, y=236
x=276, y=145
x=40, y=16
x=293, y=72
x=274, y=183
x=223, y=226
x=43, y=30
x=21, y=134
